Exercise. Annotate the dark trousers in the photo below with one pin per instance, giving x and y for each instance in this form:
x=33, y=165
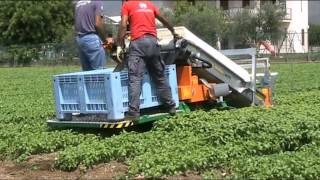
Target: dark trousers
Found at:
x=145, y=52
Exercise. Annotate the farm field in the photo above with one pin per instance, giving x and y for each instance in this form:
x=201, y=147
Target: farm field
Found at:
x=283, y=142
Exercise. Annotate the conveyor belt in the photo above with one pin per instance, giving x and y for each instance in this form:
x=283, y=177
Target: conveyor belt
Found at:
x=223, y=70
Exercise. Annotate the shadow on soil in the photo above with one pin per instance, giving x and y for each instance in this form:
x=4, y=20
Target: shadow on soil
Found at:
x=141, y=128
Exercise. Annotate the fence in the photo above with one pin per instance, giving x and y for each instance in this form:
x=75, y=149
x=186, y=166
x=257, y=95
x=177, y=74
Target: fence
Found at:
x=293, y=47
x=26, y=55
x=58, y=54
x=296, y=57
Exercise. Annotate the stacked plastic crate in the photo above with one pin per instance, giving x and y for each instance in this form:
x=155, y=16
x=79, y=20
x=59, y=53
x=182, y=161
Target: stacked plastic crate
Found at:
x=104, y=92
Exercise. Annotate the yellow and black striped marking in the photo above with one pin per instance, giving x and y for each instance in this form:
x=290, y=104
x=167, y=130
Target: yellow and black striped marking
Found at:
x=117, y=125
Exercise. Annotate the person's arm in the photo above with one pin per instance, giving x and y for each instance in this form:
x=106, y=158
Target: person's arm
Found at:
x=164, y=21
x=122, y=29
x=99, y=28
x=99, y=21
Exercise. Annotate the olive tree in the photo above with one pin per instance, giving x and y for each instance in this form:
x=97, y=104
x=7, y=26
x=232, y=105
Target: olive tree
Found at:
x=248, y=27
x=314, y=35
x=29, y=22
x=202, y=19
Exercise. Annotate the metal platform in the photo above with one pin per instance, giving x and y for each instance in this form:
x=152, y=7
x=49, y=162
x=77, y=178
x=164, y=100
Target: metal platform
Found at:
x=55, y=123
x=89, y=122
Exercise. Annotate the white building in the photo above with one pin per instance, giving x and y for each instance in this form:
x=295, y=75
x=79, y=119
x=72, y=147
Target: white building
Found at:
x=297, y=27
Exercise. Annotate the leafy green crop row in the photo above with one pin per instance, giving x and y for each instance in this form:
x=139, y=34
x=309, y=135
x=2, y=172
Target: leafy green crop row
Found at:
x=218, y=139
x=252, y=142
x=297, y=77
x=26, y=103
x=300, y=164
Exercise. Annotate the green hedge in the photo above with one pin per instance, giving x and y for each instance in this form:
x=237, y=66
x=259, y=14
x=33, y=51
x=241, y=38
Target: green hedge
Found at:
x=314, y=35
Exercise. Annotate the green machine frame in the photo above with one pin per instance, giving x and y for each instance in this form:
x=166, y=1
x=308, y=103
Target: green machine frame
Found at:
x=55, y=123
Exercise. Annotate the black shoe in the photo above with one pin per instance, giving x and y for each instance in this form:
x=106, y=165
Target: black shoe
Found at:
x=132, y=116
x=172, y=110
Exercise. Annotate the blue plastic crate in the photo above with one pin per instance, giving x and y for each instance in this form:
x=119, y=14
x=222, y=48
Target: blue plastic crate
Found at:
x=104, y=91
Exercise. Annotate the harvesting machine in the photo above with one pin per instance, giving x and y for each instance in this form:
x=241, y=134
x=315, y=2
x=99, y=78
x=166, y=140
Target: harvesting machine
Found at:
x=197, y=73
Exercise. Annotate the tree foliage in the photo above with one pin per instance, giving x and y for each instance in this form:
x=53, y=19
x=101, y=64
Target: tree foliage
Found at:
x=249, y=27
x=314, y=35
x=243, y=27
x=181, y=7
x=202, y=19
x=26, y=22
x=270, y=21
x=67, y=44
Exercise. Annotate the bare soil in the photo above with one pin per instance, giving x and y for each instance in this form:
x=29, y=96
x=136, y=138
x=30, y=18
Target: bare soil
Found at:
x=42, y=167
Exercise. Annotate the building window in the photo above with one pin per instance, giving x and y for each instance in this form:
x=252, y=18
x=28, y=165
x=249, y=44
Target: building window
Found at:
x=224, y=4
x=245, y=3
x=302, y=37
x=268, y=1
x=193, y=2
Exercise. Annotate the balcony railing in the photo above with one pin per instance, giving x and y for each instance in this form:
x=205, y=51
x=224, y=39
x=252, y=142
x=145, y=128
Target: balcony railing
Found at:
x=234, y=11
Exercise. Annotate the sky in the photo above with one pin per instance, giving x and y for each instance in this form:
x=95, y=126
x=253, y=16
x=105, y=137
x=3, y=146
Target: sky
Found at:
x=314, y=13
x=112, y=7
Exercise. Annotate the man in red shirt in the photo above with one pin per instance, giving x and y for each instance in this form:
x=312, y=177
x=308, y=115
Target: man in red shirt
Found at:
x=144, y=51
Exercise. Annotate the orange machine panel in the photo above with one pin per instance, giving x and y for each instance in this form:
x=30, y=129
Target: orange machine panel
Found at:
x=267, y=94
x=189, y=88
x=184, y=75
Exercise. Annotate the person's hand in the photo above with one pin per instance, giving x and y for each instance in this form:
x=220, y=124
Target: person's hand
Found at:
x=108, y=44
x=176, y=36
x=109, y=40
x=119, y=54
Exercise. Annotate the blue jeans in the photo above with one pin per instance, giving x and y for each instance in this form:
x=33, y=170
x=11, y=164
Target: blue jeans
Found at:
x=92, y=54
